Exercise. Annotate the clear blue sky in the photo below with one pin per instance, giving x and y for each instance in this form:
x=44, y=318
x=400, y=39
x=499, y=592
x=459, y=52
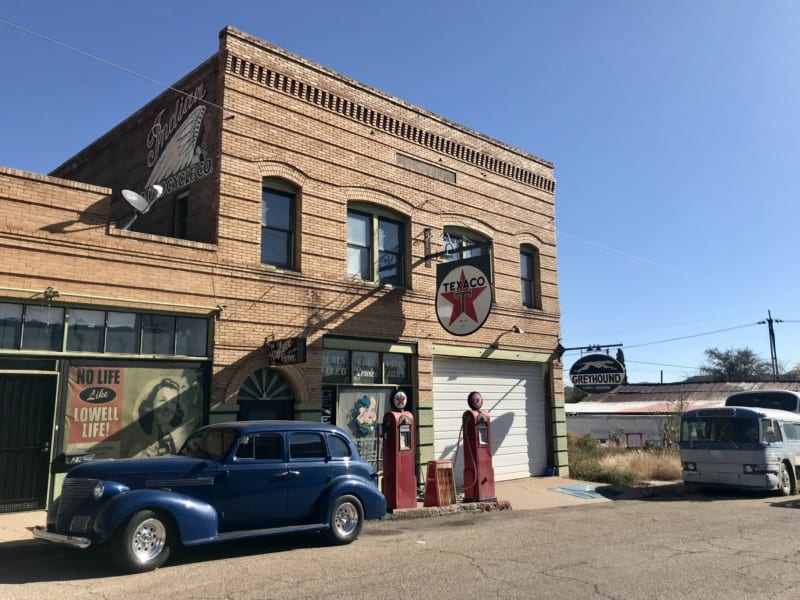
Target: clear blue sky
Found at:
x=673, y=127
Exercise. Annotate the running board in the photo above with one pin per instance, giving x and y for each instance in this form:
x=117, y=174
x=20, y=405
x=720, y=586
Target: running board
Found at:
x=251, y=533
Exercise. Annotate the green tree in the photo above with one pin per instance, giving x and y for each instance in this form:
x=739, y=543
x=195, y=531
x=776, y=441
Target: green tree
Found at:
x=734, y=364
x=573, y=394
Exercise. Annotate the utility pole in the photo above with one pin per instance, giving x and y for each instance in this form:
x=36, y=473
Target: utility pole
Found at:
x=773, y=353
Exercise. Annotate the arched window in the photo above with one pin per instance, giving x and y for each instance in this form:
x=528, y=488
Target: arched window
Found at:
x=278, y=223
x=376, y=245
x=460, y=243
x=530, y=280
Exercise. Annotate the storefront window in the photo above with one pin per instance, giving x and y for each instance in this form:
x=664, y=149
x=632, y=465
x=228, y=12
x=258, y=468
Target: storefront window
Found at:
x=43, y=328
x=123, y=333
x=191, y=336
x=336, y=366
x=366, y=367
x=86, y=330
x=395, y=368
x=158, y=334
x=10, y=325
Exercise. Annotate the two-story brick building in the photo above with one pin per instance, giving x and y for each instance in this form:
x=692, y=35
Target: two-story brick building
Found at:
x=287, y=269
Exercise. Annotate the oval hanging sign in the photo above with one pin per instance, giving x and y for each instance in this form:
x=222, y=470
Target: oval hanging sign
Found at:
x=597, y=373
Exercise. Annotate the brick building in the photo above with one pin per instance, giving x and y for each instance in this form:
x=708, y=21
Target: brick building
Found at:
x=288, y=269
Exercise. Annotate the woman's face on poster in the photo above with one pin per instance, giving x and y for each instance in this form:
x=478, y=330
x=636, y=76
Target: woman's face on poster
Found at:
x=165, y=405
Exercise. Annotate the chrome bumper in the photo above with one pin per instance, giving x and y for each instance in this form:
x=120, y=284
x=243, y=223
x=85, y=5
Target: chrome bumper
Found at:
x=41, y=533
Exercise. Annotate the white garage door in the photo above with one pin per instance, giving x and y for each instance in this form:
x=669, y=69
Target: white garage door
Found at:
x=513, y=395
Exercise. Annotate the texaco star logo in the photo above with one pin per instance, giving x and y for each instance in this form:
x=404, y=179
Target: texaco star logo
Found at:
x=464, y=300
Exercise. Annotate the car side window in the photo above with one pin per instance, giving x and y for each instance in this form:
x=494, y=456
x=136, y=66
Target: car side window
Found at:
x=263, y=446
x=306, y=445
x=339, y=447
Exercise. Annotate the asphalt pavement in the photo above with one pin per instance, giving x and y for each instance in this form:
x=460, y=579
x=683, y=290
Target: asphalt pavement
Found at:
x=519, y=494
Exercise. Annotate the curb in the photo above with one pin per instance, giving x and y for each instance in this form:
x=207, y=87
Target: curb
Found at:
x=443, y=511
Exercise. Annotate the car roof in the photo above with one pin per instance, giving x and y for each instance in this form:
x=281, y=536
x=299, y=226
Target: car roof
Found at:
x=244, y=427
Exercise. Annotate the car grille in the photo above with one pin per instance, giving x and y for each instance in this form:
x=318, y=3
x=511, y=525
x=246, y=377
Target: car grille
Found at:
x=73, y=492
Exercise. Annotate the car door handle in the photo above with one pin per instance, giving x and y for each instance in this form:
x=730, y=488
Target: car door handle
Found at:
x=293, y=474
x=287, y=475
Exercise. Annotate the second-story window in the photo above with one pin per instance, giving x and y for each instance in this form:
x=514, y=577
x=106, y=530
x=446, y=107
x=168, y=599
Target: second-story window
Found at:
x=375, y=248
x=460, y=244
x=278, y=229
x=529, y=276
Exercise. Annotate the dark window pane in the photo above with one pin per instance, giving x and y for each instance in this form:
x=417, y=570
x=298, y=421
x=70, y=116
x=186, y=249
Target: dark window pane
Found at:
x=275, y=247
x=43, y=328
x=306, y=445
x=158, y=334
x=191, y=336
x=277, y=227
x=10, y=325
x=395, y=368
x=338, y=447
x=366, y=367
x=335, y=366
x=276, y=210
x=86, y=330
x=122, y=334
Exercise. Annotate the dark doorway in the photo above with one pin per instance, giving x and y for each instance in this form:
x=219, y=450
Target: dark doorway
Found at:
x=27, y=403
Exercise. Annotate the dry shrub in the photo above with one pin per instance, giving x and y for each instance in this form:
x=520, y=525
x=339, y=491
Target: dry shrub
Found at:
x=590, y=461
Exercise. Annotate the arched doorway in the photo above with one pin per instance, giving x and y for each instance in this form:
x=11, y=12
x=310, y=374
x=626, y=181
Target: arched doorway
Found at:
x=266, y=394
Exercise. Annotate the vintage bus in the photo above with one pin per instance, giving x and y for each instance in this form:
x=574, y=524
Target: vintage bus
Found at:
x=781, y=399
x=744, y=447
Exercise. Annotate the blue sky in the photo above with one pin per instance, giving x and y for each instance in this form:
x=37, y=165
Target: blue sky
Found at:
x=673, y=127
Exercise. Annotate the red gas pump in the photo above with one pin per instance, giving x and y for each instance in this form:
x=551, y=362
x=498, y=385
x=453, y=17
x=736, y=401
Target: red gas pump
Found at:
x=399, y=466
x=478, y=469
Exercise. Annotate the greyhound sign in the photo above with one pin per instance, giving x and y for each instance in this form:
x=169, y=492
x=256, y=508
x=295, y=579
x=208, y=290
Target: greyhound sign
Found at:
x=597, y=373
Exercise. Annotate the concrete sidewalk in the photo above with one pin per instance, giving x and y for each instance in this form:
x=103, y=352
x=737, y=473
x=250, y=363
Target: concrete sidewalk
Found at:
x=520, y=494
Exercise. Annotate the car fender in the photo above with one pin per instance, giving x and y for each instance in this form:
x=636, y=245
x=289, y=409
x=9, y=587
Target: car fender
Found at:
x=372, y=499
x=195, y=520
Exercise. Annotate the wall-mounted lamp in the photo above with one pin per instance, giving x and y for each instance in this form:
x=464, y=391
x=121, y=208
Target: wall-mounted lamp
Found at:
x=50, y=293
x=517, y=329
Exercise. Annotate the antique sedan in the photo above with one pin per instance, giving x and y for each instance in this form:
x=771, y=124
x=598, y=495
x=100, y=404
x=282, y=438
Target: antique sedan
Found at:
x=228, y=481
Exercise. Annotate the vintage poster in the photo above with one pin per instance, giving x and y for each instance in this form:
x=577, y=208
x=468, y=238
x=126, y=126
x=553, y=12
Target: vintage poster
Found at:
x=126, y=411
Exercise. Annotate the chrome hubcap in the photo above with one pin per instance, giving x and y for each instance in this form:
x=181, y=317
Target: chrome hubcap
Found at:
x=346, y=519
x=148, y=540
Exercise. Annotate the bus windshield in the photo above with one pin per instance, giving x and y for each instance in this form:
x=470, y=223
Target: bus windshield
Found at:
x=722, y=429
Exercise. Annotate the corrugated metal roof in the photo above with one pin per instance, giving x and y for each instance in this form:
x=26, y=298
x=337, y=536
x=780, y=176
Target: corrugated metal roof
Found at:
x=668, y=397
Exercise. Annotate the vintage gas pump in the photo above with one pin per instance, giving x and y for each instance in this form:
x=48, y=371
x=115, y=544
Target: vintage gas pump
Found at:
x=399, y=463
x=478, y=469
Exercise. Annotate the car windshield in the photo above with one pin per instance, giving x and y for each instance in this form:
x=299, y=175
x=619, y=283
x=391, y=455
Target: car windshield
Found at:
x=208, y=443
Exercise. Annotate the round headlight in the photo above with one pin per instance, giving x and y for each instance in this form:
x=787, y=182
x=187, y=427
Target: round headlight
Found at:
x=748, y=468
x=98, y=490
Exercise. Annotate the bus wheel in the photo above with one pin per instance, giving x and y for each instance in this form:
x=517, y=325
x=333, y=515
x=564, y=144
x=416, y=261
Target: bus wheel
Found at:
x=785, y=482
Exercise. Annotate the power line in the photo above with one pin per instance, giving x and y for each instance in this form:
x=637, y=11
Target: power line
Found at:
x=686, y=337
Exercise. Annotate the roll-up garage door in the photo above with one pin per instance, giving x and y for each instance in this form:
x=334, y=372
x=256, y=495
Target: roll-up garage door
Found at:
x=513, y=395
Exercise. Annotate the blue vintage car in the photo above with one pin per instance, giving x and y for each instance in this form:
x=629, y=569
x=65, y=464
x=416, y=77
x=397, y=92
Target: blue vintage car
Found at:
x=228, y=481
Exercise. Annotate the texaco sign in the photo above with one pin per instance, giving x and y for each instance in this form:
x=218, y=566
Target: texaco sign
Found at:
x=464, y=294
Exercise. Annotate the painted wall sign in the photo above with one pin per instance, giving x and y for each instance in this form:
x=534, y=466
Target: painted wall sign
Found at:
x=175, y=147
x=597, y=373
x=464, y=294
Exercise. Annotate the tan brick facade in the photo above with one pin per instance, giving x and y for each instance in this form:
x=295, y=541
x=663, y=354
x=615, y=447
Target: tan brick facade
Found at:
x=268, y=113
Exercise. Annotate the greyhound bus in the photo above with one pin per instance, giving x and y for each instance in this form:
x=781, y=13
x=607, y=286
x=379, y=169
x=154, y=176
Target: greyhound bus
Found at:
x=743, y=447
x=781, y=399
